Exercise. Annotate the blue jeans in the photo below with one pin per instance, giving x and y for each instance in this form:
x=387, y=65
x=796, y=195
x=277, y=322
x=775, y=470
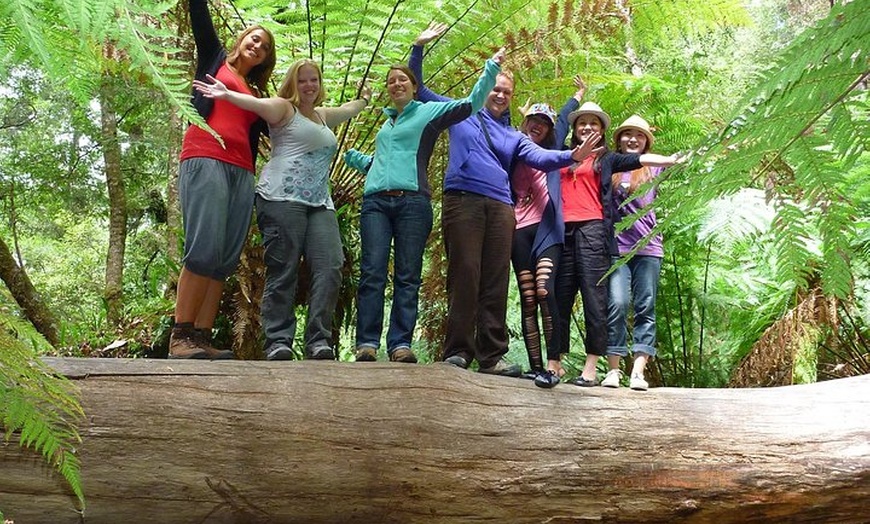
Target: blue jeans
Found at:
x=404, y=222
x=638, y=278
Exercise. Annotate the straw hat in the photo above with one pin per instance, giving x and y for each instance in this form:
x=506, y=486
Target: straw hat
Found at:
x=543, y=110
x=638, y=124
x=590, y=108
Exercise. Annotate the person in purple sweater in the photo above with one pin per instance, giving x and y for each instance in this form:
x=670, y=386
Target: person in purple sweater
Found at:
x=638, y=278
x=477, y=218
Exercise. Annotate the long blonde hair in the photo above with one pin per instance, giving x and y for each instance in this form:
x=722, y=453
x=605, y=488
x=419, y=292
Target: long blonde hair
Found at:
x=290, y=84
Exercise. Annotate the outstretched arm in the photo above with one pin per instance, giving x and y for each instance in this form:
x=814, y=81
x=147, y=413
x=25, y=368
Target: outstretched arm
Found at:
x=272, y=110
x=359, y=161
x=562, y=127
x=654, y=160
x=204, y=35
x=333, y=116
x=415, y=62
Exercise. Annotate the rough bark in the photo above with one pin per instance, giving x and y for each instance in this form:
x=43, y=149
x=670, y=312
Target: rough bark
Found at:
x=309, y=442
x=113, y=293
x=22, y=290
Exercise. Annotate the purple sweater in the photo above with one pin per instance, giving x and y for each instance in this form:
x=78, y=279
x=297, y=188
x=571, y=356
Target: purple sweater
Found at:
x=473, y=166
x=626, y=240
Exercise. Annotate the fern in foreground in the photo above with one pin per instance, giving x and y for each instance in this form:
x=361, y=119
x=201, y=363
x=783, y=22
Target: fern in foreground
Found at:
x=39, y=407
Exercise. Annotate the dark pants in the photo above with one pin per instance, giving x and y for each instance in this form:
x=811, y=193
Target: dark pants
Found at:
x=584, y=263
x=290, y=231
x=478, y=232
x=536, y=279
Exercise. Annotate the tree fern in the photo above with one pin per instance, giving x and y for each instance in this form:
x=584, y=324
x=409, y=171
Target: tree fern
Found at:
x=39, y=407
x=780, y=128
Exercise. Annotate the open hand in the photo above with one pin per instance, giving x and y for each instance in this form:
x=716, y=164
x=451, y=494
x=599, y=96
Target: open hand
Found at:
x=499, y=55
x=432, y=32
x=581, y=88
x=588, y=147
x=215, y=89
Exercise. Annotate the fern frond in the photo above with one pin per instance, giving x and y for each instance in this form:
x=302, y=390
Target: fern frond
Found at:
x=41, y=407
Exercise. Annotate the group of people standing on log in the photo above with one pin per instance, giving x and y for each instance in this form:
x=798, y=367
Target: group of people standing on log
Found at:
x=510, y=197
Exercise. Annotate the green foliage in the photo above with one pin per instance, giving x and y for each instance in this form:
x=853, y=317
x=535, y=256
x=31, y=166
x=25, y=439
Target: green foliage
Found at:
x=38, y=406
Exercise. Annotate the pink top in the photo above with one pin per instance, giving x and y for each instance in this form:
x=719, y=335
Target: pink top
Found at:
x=530, y=189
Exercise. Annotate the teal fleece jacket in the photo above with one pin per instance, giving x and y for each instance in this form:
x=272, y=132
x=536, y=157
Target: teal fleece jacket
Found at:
x=404, y=144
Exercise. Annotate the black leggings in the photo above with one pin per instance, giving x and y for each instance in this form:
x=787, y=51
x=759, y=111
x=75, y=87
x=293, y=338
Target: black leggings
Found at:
x=537, y=283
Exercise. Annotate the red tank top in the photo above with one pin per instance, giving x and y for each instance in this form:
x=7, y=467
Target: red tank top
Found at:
x=232, y=123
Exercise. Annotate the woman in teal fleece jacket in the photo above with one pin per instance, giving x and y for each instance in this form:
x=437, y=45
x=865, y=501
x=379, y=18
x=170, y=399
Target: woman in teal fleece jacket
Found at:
x=396, y=207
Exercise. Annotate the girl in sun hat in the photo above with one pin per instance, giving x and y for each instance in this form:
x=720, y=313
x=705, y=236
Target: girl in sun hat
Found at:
x=589, y=234
x=537, y=243
x=636, y=280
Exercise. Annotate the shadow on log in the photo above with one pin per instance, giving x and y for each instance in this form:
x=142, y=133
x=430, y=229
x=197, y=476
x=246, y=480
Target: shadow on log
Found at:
x=327, y=442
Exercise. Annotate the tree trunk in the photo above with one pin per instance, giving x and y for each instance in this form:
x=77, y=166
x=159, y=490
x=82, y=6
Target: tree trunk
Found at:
x=312, y=442
x=117, y=204
x=22, y=290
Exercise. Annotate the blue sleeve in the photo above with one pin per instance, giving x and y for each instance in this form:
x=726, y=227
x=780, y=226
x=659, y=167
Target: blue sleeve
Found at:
x=540, y=158
x=359, y=161
x=415, y=64
x=563, y=129
x=446, y=114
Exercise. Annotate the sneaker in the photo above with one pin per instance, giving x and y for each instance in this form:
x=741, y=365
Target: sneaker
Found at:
x=321, y=353
x=546, y=379
x=183, y=345
x=457, y=361
x=366, y=354
x=611, y=379
x=279, y=351
x=637, y=383
x=584, y=383
x=503, y=368
x=403, y=354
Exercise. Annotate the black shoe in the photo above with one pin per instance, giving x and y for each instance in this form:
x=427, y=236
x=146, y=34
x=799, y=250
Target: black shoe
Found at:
x=279, y=352
x=321, y=353
x=529, y=375
x=546, y=379
x=457, y=361
x=583, y=383
x=503, y=368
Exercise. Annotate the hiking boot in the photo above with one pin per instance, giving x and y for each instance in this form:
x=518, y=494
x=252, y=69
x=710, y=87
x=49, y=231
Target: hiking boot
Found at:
x=457, y=361
x=321, y=353
x=366, y=354
x=585, y=383
x=403, y=354
x=183, y=345
x=637, y=383
x=202, y=338
x=279, y=351
x=503, y=368
x=546, y=379
x=611, y=379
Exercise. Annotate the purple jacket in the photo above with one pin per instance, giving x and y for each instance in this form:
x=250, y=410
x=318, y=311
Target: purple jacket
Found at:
x=473, y=166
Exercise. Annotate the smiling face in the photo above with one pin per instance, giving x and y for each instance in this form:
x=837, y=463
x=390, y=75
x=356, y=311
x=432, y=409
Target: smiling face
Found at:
x=631, y=141
x=585, y=125
x=401, y=87
x=255, y=47
x=308, y=84
x=537, y=127
x=499, y=99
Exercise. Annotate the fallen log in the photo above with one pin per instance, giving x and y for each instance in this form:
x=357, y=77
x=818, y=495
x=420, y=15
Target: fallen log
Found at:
x=311, y=442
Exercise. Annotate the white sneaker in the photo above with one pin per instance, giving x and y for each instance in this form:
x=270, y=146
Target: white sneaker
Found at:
x=637, y=383
x=611, y=379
